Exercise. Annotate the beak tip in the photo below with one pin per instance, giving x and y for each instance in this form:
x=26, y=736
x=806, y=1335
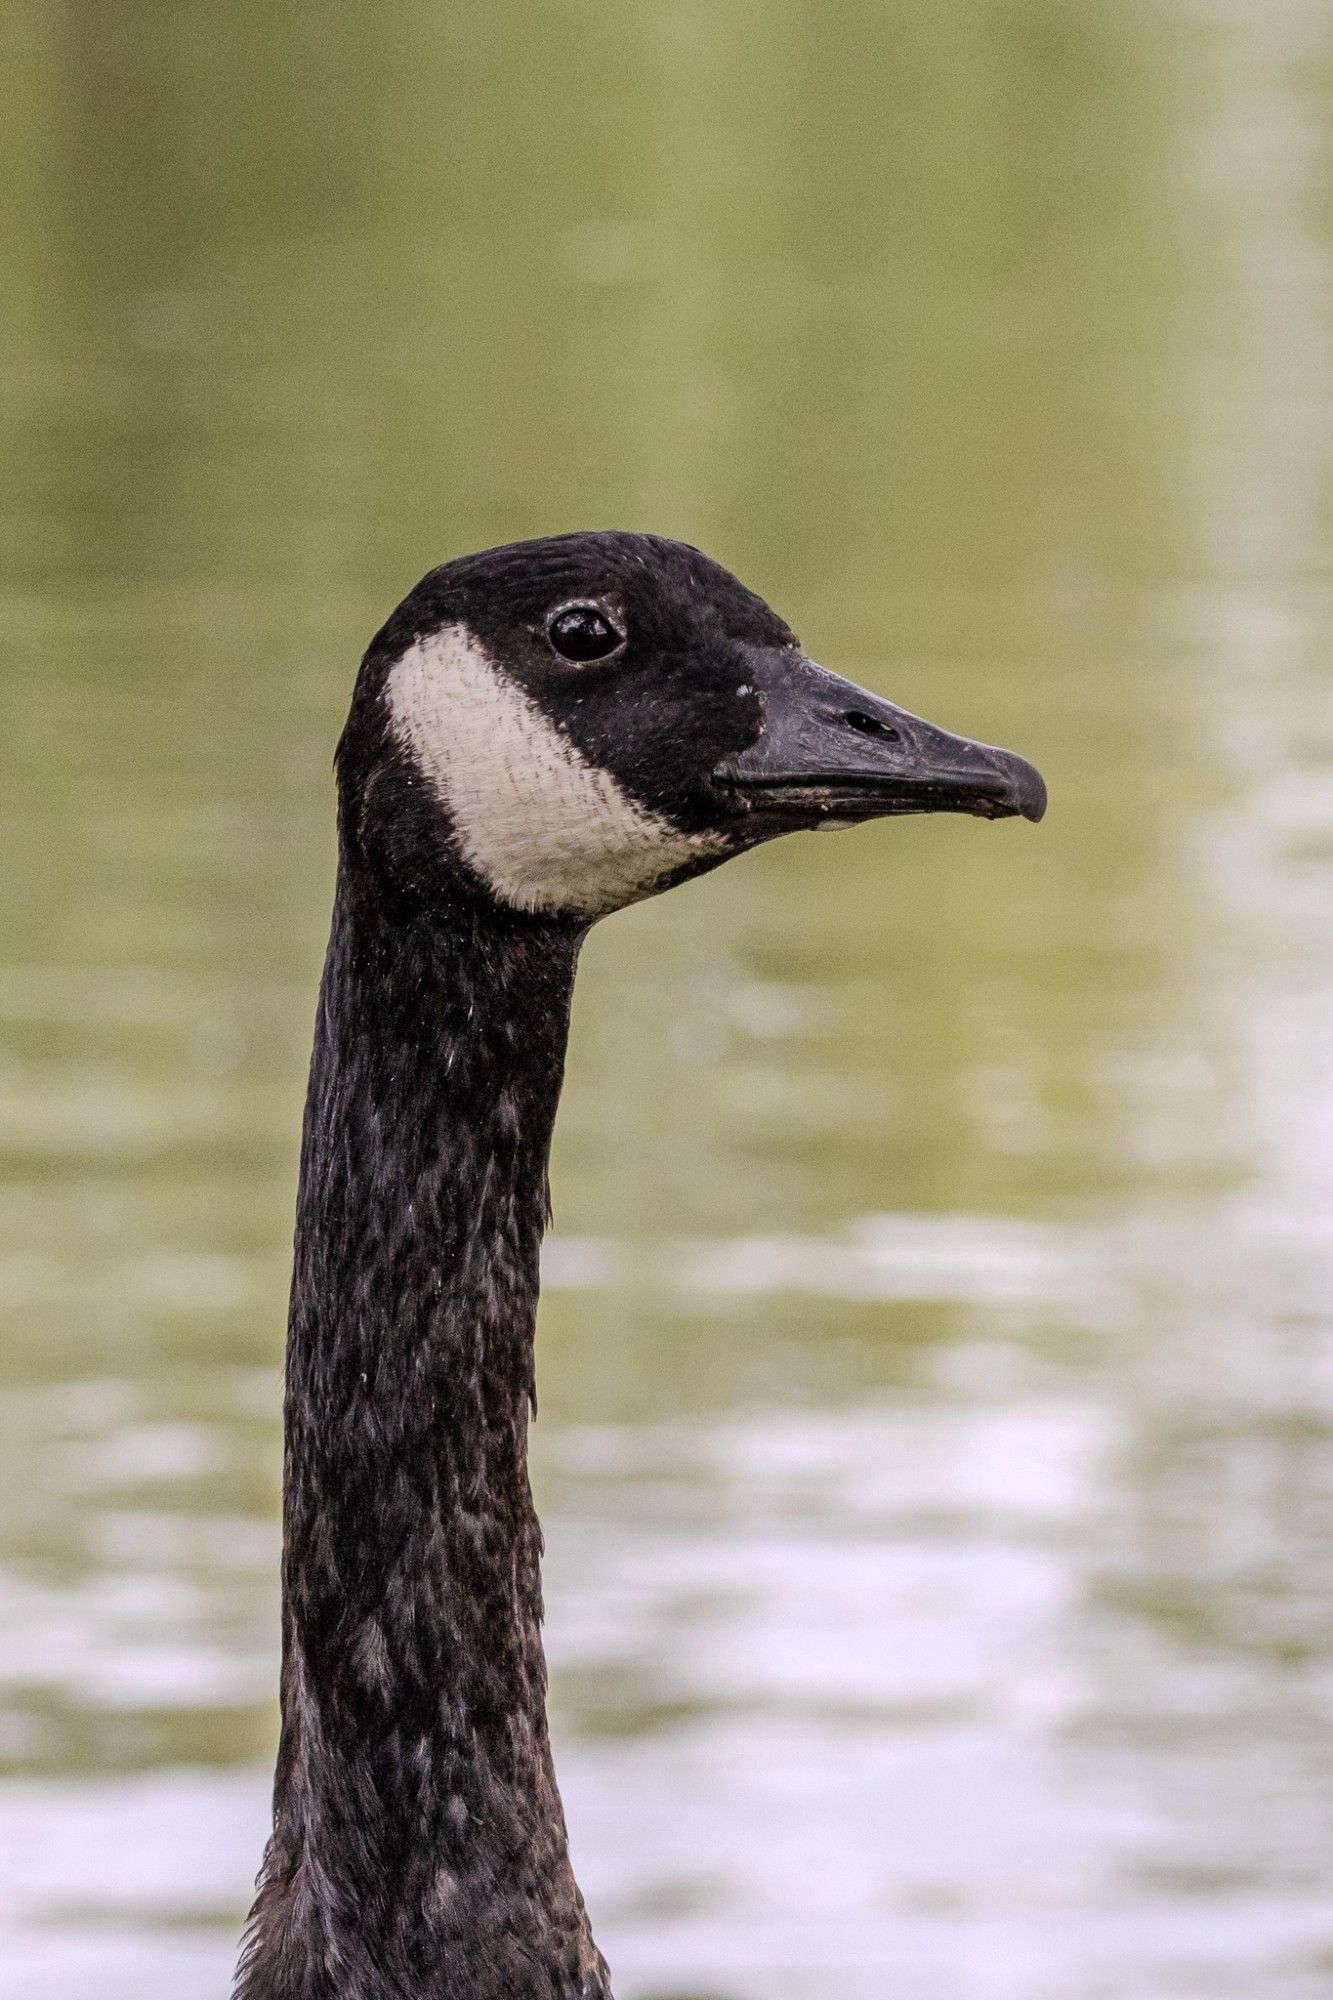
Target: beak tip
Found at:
x=1027, y=788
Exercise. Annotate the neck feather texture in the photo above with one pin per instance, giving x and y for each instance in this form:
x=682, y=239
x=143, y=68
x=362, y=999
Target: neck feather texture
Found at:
x=419, y=1844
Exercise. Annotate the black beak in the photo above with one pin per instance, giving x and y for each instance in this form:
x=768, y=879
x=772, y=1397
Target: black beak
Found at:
x=828, y=750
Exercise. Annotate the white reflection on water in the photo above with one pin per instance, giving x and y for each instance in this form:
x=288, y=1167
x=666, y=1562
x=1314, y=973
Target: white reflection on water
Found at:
x=984, y=1260
x=834, y=1692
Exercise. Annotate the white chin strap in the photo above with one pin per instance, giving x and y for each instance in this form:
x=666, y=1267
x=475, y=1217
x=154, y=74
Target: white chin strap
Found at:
x=542, y=827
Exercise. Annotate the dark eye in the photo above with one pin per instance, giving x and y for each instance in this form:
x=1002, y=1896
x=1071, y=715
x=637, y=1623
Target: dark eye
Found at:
x=582, y=632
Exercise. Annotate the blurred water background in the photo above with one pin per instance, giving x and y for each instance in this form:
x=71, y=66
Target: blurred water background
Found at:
x=937, y=1358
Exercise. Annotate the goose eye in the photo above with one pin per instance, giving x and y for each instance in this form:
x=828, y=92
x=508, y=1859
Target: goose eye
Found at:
x=582, y=632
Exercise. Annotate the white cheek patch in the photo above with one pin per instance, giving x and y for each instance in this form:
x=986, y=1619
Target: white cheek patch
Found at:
x=542, y=827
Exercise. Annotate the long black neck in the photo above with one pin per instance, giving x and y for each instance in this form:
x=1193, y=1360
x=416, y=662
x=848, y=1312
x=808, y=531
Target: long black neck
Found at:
x=419, y=1844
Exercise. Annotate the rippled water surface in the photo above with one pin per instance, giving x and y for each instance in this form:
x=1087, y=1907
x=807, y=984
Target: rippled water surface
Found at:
x=937, y=1353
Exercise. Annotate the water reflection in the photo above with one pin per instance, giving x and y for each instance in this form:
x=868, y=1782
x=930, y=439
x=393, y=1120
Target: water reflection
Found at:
x=937, y=1370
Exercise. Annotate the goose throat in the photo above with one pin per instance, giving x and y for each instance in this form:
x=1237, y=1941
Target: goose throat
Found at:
x=419, y=1844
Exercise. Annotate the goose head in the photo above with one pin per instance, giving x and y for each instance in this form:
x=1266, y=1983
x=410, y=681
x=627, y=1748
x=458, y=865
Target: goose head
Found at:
x=567, y=726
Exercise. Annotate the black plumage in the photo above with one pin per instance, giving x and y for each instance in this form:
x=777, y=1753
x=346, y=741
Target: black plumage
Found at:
x=418, y=1844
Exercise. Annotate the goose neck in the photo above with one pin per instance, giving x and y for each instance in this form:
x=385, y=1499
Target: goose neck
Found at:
x=417, y=1828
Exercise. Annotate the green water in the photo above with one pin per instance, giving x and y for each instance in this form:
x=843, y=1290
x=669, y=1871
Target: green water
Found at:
x=937, y=1358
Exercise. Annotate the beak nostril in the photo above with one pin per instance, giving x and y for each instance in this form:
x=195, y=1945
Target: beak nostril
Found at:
x=870, y=725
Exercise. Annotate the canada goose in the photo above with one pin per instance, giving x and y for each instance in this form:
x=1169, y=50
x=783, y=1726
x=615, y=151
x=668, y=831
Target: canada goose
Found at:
x=539, y=735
